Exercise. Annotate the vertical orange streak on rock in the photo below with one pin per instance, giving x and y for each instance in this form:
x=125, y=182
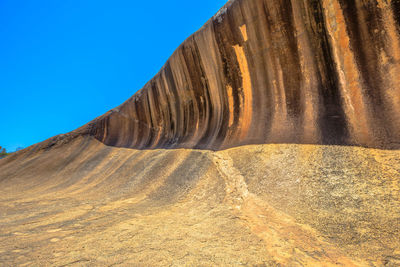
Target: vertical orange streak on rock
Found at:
x=247, y=91
x=243, y=30
x=349, y=80
x=231, y=104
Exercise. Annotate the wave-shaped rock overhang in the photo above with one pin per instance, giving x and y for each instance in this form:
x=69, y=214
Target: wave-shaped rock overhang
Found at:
x=272, y=71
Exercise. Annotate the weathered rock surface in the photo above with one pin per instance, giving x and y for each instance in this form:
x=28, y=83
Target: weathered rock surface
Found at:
x=276, y=71
x=142, y=186
x=88, y=204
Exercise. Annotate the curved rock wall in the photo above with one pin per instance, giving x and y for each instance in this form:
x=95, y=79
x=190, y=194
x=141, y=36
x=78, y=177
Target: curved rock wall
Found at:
x=272, y=71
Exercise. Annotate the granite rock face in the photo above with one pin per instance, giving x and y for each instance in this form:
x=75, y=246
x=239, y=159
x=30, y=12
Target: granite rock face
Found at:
x=320, y=78
x=276, y=71
x=82, y=203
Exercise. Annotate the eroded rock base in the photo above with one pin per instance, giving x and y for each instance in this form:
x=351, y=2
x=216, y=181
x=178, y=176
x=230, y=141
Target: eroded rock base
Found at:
x=84, y=204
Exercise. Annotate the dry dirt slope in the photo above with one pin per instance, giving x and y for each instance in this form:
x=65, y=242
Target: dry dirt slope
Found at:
x=82, y=203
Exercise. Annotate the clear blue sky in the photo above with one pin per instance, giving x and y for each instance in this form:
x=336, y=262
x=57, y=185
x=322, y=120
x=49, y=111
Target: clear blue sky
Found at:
x=65, y=62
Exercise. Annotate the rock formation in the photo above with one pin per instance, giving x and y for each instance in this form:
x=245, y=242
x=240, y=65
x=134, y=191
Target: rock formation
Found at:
x=279, y=71
x=269, y=138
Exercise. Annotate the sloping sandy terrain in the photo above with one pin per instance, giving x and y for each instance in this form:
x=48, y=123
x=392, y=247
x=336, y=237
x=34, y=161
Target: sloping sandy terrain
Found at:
x=84, y=204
